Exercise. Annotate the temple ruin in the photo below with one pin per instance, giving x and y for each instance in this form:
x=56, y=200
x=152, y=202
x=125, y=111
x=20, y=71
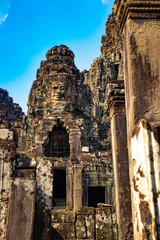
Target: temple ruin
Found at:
x=84, y=162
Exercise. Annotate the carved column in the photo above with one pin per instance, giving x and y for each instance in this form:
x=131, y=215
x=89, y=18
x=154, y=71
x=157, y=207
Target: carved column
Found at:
x=116, y=106
x=77, y=186
x=140, y=27
x=75, y=143
x=69, y=187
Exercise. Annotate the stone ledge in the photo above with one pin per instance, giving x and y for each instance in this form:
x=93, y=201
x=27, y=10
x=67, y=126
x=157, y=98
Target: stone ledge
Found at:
x=123, y=9
x=86, y=211
x=63, y=216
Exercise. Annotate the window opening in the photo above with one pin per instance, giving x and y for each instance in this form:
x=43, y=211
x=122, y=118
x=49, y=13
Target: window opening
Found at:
x=96, y=195
x=59, y=188
x=58, y=145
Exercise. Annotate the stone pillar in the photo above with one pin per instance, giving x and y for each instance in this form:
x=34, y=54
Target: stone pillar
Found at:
x=75, y=143
x=69, y=187
x=44, y=199
x=21, y=207
x=140, y=27
x=77, y=195
x=116, y=106
x=7, y=155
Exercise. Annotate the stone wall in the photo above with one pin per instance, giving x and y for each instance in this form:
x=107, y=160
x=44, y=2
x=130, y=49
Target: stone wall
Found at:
x=85, y=223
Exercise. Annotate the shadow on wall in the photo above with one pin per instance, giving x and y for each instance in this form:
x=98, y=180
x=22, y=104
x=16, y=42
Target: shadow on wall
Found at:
x=55, y=235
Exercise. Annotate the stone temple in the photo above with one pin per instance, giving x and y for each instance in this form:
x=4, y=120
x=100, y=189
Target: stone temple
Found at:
x=84, y=163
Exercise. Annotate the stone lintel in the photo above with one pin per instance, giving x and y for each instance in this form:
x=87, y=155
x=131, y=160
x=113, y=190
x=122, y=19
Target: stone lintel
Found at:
x=136, y=9
x=116, y=97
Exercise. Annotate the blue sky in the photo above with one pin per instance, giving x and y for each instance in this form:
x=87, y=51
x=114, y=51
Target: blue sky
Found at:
x=29, y=28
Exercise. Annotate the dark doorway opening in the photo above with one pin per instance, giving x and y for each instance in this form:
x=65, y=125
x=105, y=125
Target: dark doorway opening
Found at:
x=96, y=195
x=116, y=69
x=59, y=188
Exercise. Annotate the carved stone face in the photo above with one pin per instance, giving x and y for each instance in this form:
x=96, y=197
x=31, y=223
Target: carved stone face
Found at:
x=63, y=88
x=59, y=87
x=59, y=91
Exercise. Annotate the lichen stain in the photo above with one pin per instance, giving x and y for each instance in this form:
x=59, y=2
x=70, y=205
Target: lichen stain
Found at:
x=146, y=82
x=134, y=184
x=146, y=218
x=141, y=196
x=140, y=172
x=137, y=228
x=136, y=131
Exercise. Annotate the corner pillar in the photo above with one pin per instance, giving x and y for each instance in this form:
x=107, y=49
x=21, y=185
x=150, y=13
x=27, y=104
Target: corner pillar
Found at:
x=140, y=27
x=117, y=111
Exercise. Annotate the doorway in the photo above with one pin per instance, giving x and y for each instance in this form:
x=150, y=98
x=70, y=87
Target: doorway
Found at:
x=96, y=195
x=59, y=188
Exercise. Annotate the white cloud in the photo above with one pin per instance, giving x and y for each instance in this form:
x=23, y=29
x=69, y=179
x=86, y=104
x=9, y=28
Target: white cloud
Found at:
x=4, y=9
x=104, y=1
x=3, y=18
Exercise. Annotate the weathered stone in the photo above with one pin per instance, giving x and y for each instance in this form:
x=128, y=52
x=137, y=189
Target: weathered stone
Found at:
x=90, y=226
x=58, y=217
x=116, y=105
x=81, y=227
x=63, y=231
x=67, y=129
x=86, y=210
x=104, y=226
x=70, y=217
x=142, y=186
x=6, y=134
x=9, y=111
x=21, y=209
x=138, y=21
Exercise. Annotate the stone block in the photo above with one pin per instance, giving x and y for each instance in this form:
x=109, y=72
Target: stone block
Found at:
x=104, y=228
x=58, y=217
x=104, y=211
x=70, y=217
x=90, y=226
x=21, y=209
x=85, y=149
x=85, y=227
x=86, y=211
x=63, y=231
x=81, y=232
